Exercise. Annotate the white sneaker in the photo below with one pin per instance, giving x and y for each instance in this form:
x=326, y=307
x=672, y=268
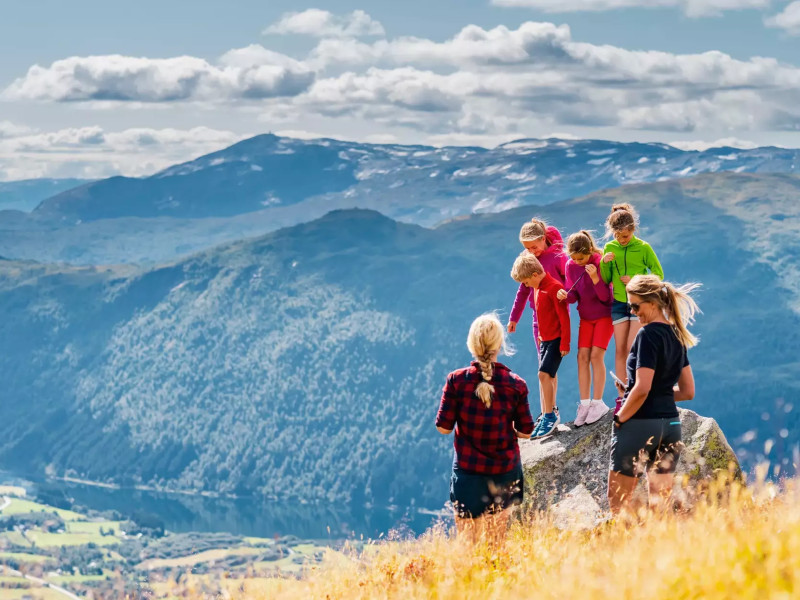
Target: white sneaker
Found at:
x=597, y=409
x=583, y=412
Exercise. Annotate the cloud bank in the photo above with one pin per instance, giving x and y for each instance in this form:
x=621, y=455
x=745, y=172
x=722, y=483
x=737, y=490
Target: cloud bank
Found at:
x=692, y=8
x=480, y=86
x=92, y=152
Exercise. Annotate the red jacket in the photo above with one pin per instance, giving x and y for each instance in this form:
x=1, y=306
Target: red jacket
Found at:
x=552, y=315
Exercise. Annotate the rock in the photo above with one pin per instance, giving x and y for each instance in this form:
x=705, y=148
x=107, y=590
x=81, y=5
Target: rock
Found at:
x=567, y=473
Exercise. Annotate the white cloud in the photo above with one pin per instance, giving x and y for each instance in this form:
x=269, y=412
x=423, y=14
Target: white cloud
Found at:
x=321, y=23
x=9, y=129
x=406, y=88
x=702, y=146
x=692, y=8
x=481, y=84
x=91, y=152
x=473, y=45
x=538, y=72
x=128, y=78
x=788, y=19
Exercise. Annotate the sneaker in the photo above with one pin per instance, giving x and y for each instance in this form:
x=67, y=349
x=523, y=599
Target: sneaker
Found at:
x=583, y=412
x=546, y=427
x=595, y=412
x=619, y=404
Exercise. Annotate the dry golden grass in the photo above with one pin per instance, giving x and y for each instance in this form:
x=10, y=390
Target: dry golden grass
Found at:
x=747, y=547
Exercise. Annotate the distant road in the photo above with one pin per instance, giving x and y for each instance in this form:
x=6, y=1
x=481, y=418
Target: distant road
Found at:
x=45, y=583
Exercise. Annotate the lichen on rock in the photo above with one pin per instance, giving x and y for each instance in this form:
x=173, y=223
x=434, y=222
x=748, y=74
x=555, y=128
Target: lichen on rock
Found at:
x=566, y=469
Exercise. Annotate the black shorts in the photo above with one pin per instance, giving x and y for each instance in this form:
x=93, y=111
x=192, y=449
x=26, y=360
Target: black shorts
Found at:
x=550, y=356
x=473, y=494
x=641, y=444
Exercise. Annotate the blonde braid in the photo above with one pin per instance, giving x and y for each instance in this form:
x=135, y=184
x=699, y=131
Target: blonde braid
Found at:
x=485, y=390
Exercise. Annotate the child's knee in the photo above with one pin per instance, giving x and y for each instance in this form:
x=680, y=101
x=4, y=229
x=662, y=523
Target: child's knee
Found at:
x=597, y=354
x=583, y=356
x=545, y=377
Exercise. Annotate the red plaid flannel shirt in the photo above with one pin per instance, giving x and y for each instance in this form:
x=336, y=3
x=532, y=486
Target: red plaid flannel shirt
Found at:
x=485, y=441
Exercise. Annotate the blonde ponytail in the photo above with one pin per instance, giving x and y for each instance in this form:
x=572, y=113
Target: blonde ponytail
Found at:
x=486, y=339
x=533, y=230
x=582, y=242
x=680, y=309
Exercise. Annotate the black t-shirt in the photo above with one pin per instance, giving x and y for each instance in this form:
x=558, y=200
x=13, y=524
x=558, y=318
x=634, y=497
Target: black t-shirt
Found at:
x=657, y=347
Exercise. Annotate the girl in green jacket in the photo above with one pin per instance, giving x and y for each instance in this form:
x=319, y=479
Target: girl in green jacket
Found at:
x=623, y=257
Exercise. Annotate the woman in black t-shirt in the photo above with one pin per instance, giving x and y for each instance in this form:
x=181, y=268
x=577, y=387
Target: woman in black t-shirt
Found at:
x=646, y=437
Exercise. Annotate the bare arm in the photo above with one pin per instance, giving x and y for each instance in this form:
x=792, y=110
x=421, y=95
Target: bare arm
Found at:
x=524, y=436
x=444, y=431
x=685, y=388
x=637, y=396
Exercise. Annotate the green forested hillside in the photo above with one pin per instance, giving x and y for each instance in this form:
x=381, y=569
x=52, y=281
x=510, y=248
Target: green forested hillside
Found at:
x=308, y=363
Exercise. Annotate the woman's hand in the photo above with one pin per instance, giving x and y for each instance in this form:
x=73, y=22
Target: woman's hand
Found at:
x=512, y=326
x=591, y=271
x=562, y=295
x=620, y=388
x=608, y=257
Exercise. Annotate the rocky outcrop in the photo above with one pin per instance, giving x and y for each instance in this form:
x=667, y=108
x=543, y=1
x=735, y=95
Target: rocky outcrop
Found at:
x=567, y=473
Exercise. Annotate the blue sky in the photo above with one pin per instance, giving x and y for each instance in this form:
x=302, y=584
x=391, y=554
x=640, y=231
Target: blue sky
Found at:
x=133, y=88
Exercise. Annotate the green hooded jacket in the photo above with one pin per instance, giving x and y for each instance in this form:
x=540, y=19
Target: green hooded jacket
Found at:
x=636, y=258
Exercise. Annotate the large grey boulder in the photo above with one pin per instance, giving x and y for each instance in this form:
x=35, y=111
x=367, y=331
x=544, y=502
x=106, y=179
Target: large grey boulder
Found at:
x=567, y=473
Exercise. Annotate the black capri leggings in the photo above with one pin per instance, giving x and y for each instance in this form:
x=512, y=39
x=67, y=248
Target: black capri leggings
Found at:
x=641, y=444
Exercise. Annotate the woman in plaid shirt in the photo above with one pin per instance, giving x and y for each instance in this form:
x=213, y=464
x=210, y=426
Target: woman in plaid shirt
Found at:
x=487, y=405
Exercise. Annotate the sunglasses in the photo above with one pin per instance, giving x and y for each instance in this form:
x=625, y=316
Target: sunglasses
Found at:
x=635, y=306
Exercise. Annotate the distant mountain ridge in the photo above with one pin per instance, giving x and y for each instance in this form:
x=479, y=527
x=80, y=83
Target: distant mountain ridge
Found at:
x=27, y=194
x=309, y=362
x=267, y=182
x=268, y=170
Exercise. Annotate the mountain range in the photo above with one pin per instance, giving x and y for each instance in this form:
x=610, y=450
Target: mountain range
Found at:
x=27, y=194
x=268, y=182
x=308, y=362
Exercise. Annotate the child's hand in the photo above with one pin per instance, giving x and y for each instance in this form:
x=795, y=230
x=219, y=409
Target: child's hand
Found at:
x=625, y=279
x=591, y=270
x=562, y=294
x=608, y=257
x=564, y=353
x=512, y=326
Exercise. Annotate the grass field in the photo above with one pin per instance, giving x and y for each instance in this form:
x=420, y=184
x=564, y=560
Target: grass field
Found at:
x=51, y=540
x=9, y=580
x=34, y=593
x=745, y=548
x=15, y=538
x=12, y=490
x=93, y=527
x=67, y=579
x=19, y=507
x=25, y=558
x=196, y=559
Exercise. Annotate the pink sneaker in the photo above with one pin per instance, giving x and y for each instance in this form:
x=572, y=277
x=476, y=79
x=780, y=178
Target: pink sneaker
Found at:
x=597, y=409
x=583, y=412
x=619, y=404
